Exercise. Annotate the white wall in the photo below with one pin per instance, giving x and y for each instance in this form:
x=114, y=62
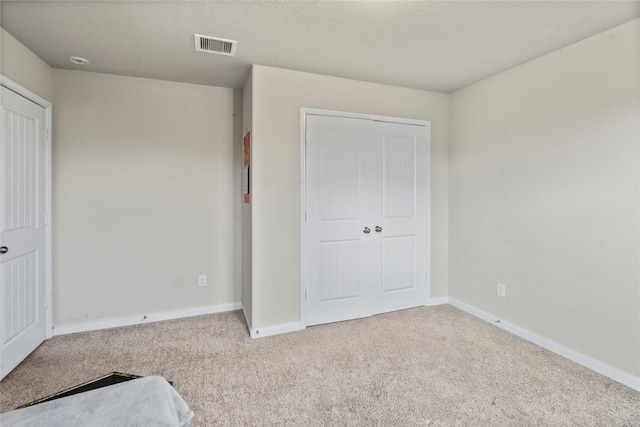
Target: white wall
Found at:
x=247, y=117
x=544, y=196
x=25, y=68
x=278, y=95
x=237, y=195
x=143, y=196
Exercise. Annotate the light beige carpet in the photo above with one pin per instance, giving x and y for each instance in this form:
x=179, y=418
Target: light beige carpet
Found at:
x=427, y=366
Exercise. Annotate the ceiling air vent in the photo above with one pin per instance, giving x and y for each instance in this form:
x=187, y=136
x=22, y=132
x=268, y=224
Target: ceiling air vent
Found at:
x=215, y=45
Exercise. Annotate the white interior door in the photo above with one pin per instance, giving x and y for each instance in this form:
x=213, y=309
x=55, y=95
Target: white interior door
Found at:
x=338, y=208
x=401, y=215
x=366, y=226
x=22, y=229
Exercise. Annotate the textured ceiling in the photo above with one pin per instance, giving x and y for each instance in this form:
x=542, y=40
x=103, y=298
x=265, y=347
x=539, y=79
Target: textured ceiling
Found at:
x=439, y=46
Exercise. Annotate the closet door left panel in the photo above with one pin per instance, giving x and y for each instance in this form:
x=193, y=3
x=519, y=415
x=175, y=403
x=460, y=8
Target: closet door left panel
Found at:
x=339, y=190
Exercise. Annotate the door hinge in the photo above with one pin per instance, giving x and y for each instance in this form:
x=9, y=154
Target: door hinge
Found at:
x=305, y=294
x=46, y=303
x=46, y=219
x=426, y=280
x=47, y=134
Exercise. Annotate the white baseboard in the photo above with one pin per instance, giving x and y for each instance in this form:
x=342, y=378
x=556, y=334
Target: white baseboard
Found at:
x=267, y=331
x=136, y=320
x=437, y=301
x=575, y=356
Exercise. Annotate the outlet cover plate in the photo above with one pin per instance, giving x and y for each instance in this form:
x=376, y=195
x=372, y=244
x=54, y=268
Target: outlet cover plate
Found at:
x=501, y=290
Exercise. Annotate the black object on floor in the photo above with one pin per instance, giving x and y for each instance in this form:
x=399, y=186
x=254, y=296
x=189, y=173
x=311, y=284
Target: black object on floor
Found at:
x=109, y=379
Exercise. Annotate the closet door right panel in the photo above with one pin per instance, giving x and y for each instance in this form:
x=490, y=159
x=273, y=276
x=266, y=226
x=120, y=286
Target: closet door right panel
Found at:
x=402, y=201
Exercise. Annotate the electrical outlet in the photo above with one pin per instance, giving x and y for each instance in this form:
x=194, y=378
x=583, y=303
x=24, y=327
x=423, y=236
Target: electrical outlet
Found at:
x=202, y=280
x=501, y=290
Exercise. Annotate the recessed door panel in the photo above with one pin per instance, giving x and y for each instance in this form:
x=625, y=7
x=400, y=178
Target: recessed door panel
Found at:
x=398, y=263
x=339, y=275
x=20, y=294
x=399, y=176
x=339, y=177
x=20, y=172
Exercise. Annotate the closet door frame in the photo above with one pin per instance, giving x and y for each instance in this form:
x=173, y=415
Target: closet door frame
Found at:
x=304, y=112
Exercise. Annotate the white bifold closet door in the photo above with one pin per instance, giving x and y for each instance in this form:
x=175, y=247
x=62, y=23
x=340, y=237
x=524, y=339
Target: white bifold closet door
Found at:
x=22, y=229
x=366, y=224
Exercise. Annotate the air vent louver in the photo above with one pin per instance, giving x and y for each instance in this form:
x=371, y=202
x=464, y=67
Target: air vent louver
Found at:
x=215, y=45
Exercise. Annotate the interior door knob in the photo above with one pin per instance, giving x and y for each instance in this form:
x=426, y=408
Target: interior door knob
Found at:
x=366, y=230
x=378, y=229
x=4, y=249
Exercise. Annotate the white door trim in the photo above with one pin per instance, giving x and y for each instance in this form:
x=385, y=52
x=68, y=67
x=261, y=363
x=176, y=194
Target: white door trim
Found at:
x=15, y=87
x=304, y=111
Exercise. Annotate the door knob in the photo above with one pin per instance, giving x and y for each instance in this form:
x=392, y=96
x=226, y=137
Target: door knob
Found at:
x=366, y=230
x=4, y=249
x=378, y=229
